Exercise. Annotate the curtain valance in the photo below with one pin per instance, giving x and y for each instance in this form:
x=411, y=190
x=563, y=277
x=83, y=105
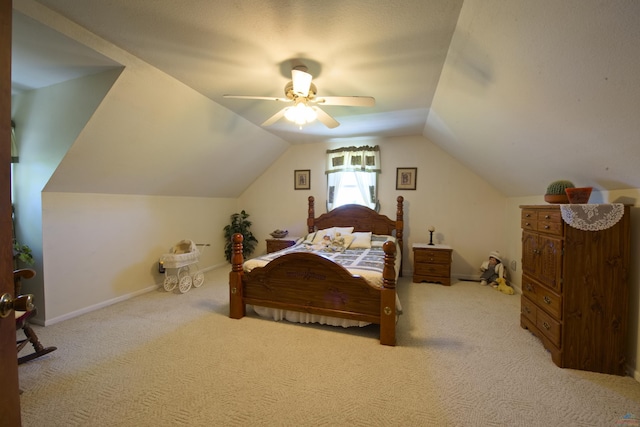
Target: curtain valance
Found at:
x=353, y=159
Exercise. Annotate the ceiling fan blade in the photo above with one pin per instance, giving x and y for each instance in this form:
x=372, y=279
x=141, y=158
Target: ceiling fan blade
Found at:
x=264, y=98
x=277, y=116
x=326, y=119
x=301, y=82
x=350, y=101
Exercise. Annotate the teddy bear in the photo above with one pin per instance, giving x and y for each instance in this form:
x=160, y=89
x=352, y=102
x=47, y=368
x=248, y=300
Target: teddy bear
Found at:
x=503, y=287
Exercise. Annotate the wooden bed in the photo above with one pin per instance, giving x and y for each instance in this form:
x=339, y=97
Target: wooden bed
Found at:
x=309, y=283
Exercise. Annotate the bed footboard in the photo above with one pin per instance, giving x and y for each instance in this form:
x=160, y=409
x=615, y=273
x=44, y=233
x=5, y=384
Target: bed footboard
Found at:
x=309, y=283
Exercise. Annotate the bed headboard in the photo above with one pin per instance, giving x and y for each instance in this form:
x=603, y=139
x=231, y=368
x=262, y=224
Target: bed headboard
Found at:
x=361, y=218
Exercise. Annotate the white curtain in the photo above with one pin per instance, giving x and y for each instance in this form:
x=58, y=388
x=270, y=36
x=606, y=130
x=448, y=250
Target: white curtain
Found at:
x=367, y=185
x=363, y=163
x=333, y=183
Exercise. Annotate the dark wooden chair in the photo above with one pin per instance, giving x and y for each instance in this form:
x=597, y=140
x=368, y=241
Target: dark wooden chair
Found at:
x=23, y=314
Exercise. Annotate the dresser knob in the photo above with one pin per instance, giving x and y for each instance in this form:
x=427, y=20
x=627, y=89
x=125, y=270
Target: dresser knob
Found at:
x=529, y=287
x=546, y=325
x=547, y=300
x=546, y=227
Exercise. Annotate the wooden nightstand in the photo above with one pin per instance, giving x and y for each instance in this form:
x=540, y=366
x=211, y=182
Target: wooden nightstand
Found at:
x=274, y=245
x=432, y=263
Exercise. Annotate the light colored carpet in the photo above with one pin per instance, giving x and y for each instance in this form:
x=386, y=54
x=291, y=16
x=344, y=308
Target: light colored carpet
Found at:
x=171, y=359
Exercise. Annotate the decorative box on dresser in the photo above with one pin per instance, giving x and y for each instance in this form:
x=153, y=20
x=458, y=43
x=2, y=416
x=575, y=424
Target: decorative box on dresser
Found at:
x=575, y=266
x=274, y=244
x=432, y=263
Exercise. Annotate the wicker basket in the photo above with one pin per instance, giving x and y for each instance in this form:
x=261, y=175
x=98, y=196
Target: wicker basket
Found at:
x=279, y=234
x=182, y=254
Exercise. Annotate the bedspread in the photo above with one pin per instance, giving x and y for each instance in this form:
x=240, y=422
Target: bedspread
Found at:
x=367, y=263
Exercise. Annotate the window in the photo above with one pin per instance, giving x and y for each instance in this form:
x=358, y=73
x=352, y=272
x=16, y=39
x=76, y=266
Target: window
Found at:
x=352, y=177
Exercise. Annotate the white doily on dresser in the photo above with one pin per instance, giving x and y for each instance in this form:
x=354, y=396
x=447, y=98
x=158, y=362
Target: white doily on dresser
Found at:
x=592, y=217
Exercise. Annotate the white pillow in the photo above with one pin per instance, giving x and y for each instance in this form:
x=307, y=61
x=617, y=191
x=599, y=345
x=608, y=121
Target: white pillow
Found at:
x=361, y=240
x=321, y=233
x=342, y=230
x=377, y=240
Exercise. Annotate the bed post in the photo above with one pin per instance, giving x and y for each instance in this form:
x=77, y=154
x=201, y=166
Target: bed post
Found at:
x=399, y=229
x=388, y=296
x=311, y=216
x=237, y=307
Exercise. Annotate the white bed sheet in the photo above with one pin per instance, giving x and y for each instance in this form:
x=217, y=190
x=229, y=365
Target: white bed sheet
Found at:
x=371, y=274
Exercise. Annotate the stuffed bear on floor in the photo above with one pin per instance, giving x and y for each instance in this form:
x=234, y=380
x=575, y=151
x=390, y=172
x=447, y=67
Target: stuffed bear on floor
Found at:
x=503, y=287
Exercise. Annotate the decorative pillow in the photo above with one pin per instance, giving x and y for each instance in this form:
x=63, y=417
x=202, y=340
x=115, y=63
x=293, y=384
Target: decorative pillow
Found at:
x=348, y=239
x=377, y=240
x=321, y=233
x=309, y=238
x=361, y=240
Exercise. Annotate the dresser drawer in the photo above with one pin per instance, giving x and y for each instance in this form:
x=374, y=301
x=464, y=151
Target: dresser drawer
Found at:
x=431, y=256
x=529, y=220
x=550, y=221
x=542, y=296
x=528, y=309
x=549, y=327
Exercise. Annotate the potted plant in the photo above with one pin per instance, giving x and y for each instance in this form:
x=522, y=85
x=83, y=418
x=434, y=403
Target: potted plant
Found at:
x=239, y=224
x=22, y=254
x=556, y=191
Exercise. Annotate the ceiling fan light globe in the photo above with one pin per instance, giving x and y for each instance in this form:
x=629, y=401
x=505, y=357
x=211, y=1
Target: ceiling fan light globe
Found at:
x=290, y=114
x=310, y=115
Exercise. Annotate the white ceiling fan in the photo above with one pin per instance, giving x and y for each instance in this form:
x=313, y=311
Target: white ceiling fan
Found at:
x=302, y=94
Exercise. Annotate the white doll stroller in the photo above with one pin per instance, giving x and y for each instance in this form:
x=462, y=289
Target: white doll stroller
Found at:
x=181, y=266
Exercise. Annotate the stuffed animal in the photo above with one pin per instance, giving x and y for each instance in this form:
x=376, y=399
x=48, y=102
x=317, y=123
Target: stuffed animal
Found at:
x=503, y=287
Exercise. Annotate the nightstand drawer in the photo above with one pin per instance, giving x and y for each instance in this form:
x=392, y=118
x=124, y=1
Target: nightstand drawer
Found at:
x=274, y=245
x=432, y=256
x=438, y=270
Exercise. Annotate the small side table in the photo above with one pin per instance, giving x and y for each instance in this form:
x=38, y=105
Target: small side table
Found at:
x=274, y=245
x=432, y=263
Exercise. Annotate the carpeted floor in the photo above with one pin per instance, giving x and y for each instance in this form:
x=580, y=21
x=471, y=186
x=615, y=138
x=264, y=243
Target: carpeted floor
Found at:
x=166, y=359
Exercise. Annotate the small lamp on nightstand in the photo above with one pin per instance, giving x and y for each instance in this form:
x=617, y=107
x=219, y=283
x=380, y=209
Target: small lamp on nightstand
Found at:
x=431, y=230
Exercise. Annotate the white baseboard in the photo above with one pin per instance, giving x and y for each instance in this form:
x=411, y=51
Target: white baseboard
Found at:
x=107, y=303
x=467, y=277
x=100, y=305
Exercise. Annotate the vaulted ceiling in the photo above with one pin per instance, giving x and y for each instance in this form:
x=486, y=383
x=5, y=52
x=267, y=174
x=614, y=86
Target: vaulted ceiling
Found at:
x=521, y=92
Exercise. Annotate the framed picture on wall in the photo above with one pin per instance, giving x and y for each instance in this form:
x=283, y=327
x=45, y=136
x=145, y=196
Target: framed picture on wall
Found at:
x=406, y=178
x=302, y=179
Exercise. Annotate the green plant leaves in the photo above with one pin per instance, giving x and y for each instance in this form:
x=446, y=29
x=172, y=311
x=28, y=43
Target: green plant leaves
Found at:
x=239, y=224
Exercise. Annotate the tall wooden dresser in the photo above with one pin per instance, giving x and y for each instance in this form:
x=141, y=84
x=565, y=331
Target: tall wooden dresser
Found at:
x=575, y=288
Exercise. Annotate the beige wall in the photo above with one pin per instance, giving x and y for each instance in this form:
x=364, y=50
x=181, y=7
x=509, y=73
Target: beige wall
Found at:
x=467, y=213
x=102, y=248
